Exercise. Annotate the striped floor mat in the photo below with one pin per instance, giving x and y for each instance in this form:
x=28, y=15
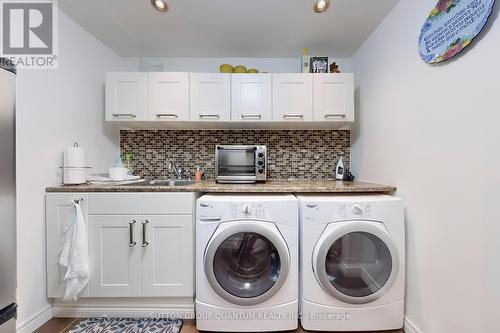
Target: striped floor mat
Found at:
x=127, y=325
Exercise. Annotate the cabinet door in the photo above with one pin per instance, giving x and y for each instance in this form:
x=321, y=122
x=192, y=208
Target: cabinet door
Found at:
x=210, y=97
x=292, y=97
x=126, y=96
x=167, y=256
x=251, y=97
x=168, y=96
x=58, y=209
x=333, y=97
x=116, y=256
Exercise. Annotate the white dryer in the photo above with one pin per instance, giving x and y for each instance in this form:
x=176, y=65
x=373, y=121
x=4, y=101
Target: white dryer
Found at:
x=352, y=274
x=246, y=262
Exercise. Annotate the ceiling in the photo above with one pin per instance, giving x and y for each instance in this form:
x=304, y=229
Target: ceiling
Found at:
x=229, y=28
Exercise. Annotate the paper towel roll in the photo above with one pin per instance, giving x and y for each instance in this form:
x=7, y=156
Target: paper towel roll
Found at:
x=74, y=157
x=74, y=176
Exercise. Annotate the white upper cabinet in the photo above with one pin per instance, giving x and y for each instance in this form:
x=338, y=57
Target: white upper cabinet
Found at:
x=334, y=97
x=126, y=96
x=251, y=97
x=168, y=96
x=292, y=97
x=210, y=97
x=218, y=100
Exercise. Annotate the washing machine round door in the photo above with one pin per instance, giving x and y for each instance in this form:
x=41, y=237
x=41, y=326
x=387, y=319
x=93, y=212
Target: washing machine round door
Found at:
x=246, y=262
x=356, y=262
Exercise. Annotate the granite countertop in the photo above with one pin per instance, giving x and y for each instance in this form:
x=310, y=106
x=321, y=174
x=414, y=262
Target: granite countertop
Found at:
x=271, y=186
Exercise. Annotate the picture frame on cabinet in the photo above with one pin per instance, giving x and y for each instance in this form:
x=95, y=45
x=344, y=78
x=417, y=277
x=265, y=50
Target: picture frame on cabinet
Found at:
x=319, y=65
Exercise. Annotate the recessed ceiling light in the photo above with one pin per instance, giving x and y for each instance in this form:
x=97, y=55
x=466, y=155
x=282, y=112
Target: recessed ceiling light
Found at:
x=160, y=5
x=321, y=5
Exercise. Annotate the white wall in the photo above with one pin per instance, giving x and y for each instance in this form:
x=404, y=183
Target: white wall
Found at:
x=208, y=65
x=54, y=109
x=434, y=131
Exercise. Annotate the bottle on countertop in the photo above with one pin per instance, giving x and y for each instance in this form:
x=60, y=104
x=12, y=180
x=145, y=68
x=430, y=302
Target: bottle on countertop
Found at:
x=340, y=168
x=198, y=174
x=128, y=163
x=305, y=61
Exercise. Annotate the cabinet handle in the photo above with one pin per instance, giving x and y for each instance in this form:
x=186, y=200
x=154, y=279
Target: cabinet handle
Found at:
x=167, y=115
x=124, y=115
x=333, y=115
x=144, y=241
x=293, y=116
x=207, y=116
x=251, y=116
x=132, y=242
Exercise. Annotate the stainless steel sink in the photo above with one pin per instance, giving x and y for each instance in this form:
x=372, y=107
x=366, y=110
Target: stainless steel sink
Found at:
x=163, y=182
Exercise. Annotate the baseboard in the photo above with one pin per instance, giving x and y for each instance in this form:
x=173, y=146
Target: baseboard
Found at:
x=128, y=308
x=35, y=321
x=76, y=312
x=410, y=327
x=183, y=312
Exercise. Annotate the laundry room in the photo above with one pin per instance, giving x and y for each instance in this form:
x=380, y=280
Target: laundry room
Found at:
x=249, y=166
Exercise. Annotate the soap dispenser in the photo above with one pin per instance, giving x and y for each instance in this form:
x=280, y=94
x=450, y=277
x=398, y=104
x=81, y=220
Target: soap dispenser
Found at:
x=340, y=169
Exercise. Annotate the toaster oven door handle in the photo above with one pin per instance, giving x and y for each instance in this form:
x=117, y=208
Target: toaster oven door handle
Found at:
x=231, y=147
x=236, y=179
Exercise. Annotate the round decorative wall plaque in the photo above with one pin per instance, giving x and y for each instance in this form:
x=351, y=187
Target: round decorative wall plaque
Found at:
x=451, y=26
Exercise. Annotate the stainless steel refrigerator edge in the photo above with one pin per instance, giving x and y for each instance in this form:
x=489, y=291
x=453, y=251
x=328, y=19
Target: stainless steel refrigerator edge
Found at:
x=8, y=268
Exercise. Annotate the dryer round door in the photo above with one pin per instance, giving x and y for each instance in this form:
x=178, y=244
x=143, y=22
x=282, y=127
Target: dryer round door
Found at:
x=357, y=262
x=246, y=262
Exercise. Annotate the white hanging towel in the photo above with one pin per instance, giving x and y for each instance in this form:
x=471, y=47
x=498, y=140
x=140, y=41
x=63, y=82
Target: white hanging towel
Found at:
x=74, y=254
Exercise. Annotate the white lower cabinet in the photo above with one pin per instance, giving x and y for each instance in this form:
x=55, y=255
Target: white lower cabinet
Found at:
x=116, y=256
x=59, y=207
x=146, y=250
x=167, y=256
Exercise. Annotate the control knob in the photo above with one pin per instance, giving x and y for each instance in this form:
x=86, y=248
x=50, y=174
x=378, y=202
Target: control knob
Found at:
x=356, y=209
x=246, y=209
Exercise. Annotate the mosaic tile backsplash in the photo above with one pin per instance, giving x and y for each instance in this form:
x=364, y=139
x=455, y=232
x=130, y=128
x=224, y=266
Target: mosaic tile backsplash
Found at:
x=292, y=154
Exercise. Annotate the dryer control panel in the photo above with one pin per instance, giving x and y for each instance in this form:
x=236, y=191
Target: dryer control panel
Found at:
x=354, y=210
x=315, y=211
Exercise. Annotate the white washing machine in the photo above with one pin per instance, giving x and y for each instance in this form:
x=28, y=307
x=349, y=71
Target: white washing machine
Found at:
x=247, y=262
x=352, y=275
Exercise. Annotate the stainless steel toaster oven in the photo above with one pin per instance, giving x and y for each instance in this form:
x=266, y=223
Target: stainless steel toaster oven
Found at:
x=240, y=164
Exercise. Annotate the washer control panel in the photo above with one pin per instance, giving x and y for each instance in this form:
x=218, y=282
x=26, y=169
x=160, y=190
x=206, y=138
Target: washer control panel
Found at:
x=247, y=210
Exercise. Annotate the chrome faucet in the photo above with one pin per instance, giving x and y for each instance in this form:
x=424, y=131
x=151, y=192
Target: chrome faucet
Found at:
x=176, y=169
